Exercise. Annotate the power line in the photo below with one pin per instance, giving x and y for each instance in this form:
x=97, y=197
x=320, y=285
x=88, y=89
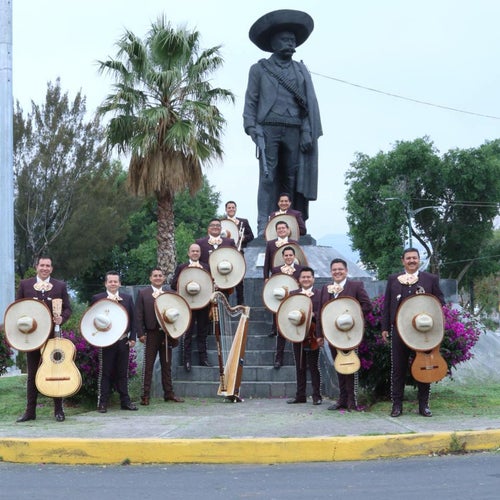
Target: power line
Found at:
x=397, y=96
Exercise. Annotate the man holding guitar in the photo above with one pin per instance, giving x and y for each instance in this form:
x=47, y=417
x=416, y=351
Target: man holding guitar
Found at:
x=344, y=287
x=43, y=287
x=400, y=286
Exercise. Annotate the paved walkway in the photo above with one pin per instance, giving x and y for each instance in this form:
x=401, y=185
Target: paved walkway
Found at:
x=255, y=431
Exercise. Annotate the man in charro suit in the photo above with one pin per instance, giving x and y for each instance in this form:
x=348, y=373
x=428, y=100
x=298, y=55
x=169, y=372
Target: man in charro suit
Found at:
x=344, y=287
x=152, y=336
x=292, y=269
x=272, y=246
x=399, y=286
x=305, y=356
x=200, y=322
x=281, y=113
x=42, y=287
x=213, y=240
x=285, y=208
x=114, y=359
x=247, y=236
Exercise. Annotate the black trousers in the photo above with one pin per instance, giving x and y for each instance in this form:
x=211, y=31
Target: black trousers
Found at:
x=400, y=357
x=306, y=359
x=113, y=368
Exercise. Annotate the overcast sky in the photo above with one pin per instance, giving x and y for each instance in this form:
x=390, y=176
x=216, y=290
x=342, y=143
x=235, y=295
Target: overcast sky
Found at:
x=443, y=52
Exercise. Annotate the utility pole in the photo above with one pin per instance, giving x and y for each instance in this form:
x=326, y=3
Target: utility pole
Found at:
x=6, y=159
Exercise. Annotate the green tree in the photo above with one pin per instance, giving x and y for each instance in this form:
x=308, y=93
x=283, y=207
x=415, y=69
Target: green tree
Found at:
x=164, y=115
x=55, y=147
x=135, y=254
x=447, y=204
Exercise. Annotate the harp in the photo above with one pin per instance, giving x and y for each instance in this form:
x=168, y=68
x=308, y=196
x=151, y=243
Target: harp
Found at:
x=230, y=330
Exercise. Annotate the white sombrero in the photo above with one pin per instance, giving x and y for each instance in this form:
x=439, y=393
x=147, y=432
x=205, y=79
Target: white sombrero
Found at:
x=277, y=288
x=294, y=317
x=27, y=323
x=293, y=225
x=104, y=322
x=173, y=313
x=195, y=285
x=420, y=322
x=343, y=322
x=227, y=266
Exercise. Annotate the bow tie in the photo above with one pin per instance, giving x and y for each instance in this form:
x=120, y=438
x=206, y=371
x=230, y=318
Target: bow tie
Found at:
x=285, y=269
x=195, y=264
x=234, y=219
x=156, y=293
x=408, y=279
x=335, y=289
x=214, y=240
x=116, y=297
x=280, y=212
x=42, y=286
x=309, y=292
x=280, y=242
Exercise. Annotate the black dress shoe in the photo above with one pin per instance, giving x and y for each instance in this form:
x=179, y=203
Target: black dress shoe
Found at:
x=277, y=365
x=59, y=416
x=102, y=409
x=336, y=406
x=317, y=402
x=425, y=411
x=397, y=411
x=25, y=417
x=129, y=406
x=205, y=363
x=187, y=366
x=295, y=401
x=174, y=398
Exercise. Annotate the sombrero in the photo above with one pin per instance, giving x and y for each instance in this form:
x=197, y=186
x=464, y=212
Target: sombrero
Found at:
x=173, y=313
x=227, y=266
x=294, y=317
x=276, y=289
x=27, y=323
x=195, y=285
x=104, y=322
x=293, y=225
x=296, y=21
x=420, y=322
x=343, y=323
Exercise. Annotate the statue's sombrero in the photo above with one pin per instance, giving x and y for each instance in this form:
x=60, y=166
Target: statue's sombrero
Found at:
x=296, y=21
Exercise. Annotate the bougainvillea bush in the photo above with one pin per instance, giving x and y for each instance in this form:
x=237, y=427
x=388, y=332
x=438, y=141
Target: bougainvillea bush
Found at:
x=462, y=331
x=87, y=361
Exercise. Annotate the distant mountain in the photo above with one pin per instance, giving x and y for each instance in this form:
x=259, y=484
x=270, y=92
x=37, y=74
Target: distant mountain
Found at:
x=341, y=243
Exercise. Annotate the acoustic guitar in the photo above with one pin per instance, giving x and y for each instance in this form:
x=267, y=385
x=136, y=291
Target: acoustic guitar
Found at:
x=429, y=366
x=347, y=362
x=57, y=376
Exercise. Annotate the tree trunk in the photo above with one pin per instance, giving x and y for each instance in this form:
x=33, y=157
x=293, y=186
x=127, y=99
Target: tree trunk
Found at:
x=166, y=234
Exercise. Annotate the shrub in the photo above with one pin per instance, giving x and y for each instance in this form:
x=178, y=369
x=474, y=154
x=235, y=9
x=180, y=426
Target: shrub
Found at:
x=5, y=353
x=87, y=361
x=462, y=331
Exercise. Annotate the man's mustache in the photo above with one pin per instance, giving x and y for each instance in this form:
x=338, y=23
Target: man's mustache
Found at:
x=286, y=50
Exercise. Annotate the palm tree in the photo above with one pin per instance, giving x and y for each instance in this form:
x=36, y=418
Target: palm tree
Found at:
x=164, y=115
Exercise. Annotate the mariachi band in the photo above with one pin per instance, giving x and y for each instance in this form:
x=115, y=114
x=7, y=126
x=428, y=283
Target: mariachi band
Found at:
x=309, y=318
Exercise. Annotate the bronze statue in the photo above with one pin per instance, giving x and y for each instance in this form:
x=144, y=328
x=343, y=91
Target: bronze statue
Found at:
x=281, y=114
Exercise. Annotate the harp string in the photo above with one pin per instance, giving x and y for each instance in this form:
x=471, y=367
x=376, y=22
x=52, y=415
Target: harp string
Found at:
x=231, y=326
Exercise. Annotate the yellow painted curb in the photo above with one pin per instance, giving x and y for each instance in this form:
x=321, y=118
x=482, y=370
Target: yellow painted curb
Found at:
x=256, y=451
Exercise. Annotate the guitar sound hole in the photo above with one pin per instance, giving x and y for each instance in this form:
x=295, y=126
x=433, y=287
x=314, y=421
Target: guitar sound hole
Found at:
x=57, y=356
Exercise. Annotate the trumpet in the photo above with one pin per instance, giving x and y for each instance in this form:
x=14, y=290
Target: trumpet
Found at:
x=241, y=233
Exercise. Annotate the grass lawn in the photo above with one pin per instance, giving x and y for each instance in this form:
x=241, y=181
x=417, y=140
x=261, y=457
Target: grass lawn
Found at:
x=474, y=398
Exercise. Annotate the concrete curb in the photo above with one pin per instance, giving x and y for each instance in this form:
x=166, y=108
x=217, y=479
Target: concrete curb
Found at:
x=75, y=451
